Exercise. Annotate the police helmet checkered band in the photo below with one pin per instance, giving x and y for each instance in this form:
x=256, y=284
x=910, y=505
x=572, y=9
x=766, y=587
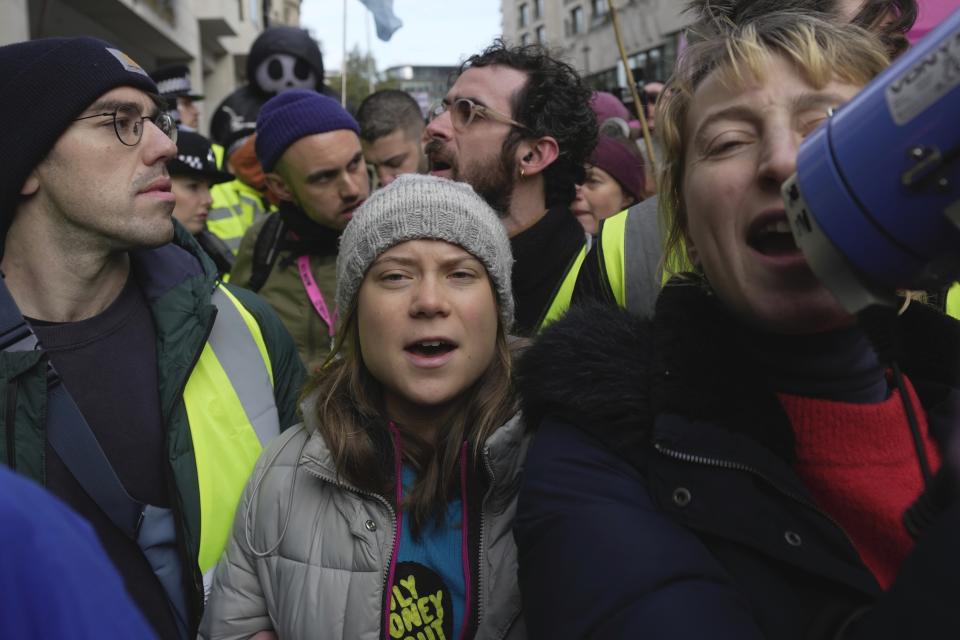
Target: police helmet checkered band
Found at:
x=194, y=162
x=173, y=85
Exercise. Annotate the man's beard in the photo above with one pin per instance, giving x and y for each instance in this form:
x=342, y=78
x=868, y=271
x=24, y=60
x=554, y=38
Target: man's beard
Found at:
x=493, y=180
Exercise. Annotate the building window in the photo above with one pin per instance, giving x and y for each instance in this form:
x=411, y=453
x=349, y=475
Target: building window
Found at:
x=604, y=81
x=524, y=17
x=541, y=35
x=537, y=9
x=599, y=13
x=524, y=39
x=576, y=20
x=650, y=65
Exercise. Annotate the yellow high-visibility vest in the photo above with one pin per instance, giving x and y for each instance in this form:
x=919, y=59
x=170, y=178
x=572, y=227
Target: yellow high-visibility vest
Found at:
x=232, y=413
x=561, y=300
x=953, y=301
x=236, y=206
x=627, y=264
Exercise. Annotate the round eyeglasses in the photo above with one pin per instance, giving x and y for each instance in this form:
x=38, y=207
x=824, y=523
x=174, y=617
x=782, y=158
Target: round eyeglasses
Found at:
x=464, y=110
x=128, y=123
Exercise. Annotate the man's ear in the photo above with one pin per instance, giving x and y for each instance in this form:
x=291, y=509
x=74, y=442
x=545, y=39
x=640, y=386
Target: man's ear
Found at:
x=533, y=156
x=31, y=185
x=278, y=186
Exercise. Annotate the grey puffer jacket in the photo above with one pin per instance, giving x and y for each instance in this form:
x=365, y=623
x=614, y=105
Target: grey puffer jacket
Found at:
x=309, y=553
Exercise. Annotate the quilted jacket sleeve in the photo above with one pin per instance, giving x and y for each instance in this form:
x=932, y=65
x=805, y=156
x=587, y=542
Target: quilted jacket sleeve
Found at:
x=597, y=559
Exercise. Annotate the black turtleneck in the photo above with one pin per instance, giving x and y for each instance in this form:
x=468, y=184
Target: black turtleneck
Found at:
x=839, y=365
x=542, y=254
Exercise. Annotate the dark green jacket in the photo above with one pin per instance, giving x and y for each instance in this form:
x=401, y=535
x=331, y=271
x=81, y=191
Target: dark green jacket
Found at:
x=177, y=281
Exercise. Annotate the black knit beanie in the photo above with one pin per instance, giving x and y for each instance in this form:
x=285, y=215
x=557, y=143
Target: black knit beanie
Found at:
x=46, y=84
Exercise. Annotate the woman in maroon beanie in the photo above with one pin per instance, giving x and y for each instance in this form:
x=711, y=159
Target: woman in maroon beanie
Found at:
x=615, y=180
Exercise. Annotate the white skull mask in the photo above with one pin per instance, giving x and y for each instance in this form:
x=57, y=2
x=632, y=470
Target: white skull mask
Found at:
x=282, y=71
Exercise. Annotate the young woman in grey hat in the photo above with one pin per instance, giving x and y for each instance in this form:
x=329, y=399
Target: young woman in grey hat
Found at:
x=388, y=513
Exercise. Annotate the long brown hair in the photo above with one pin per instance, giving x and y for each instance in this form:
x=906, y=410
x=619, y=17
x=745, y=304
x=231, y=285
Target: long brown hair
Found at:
x=350, y=411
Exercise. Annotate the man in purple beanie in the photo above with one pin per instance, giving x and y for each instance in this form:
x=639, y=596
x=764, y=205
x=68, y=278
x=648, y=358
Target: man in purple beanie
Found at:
x=309, y=147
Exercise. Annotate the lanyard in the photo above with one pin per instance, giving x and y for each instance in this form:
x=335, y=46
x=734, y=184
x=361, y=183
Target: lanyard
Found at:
x=316, y=297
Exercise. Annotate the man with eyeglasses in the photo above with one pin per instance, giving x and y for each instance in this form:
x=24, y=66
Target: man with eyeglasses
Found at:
x=135, y=386
x=517, y=126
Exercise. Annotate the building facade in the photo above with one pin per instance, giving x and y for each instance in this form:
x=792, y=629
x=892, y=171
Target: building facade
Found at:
x=426, y=84
x=212, y=37
x=284, y=12
x=582, y=31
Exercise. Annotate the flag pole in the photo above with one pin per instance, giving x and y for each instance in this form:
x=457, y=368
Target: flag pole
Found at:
x=637, y=105
x=371, y=68
x=343, y=64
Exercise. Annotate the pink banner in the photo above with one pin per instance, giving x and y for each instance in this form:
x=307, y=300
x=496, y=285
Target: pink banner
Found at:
x=932, y=13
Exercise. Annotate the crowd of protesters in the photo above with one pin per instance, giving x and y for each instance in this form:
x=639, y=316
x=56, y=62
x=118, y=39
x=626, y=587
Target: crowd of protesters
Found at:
x=474, y=373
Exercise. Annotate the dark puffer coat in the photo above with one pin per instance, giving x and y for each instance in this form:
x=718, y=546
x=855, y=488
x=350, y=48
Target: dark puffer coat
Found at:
x=659, y=498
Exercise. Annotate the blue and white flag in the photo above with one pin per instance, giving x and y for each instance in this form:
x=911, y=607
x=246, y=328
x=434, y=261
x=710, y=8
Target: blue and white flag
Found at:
x=387, y=22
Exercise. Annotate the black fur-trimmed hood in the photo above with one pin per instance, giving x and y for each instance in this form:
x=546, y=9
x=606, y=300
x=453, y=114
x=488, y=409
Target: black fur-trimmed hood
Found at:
x=592, y=368
x=611, y=373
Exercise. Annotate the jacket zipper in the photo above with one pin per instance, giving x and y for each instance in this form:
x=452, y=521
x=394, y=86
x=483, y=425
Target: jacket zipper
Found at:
x=480, y=542
x=480, y=592
x=393, y=518
x=465, y=555
x=378, y=498
x=13, y=387
x=736, y=466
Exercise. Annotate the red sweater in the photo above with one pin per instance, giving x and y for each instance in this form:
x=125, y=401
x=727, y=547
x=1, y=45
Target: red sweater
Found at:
x=859, y=462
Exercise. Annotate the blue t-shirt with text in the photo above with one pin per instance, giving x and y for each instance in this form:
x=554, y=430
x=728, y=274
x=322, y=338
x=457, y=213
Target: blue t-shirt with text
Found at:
x=428, y=591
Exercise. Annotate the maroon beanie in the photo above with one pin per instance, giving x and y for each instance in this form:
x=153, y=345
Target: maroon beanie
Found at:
x=606, y=105
x=625, y=166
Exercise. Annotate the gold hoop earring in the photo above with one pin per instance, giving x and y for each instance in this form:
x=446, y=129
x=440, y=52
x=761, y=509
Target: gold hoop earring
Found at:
x=522, y=175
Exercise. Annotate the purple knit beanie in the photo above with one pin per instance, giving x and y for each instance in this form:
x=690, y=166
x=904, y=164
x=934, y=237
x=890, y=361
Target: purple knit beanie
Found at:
x=626, y=167
x=295, y=114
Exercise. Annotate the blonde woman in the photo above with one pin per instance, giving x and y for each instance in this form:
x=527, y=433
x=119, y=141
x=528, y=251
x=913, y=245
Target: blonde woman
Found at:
x=747, y=464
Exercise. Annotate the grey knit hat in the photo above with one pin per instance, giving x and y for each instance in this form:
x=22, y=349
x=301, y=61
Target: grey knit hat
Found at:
x=416, y=207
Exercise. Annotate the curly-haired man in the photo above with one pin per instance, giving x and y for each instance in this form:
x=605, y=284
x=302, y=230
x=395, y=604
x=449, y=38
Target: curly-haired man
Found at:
x=517, y=126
